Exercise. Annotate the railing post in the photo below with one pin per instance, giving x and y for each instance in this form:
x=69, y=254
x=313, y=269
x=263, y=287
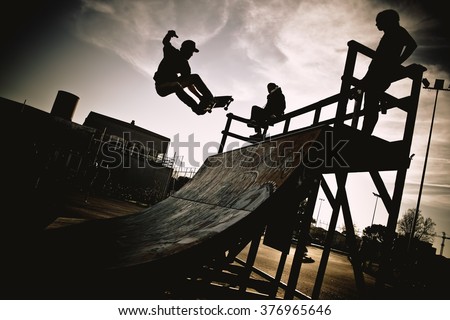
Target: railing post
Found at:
x=225, y=132
x=345, y=85
x=357, y=109
x=417, y=74
x=317, y=116
x=286, y=125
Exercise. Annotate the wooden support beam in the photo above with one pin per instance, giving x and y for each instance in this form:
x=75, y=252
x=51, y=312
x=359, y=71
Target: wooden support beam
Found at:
x=245, y=276
x=329, y=239
x=326, y=189
x=382, y=191
x=385, y=264
x=350, y=236
x=299, y=250
x=276, y=281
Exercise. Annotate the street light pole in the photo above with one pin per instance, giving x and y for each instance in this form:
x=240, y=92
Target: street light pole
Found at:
x=320, y=205
x=438, y=85
x=374, y=209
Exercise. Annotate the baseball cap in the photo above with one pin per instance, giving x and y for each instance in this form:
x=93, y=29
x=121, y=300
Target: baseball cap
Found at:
x=190, y=45
x=271, y=86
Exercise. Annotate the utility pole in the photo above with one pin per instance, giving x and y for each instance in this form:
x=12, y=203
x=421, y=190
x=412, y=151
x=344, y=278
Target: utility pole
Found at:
x=443, y=242
x=438, y=85
x=374, y=209
x=320, y=205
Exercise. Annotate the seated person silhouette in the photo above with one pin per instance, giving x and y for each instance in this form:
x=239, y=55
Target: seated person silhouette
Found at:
x=261, y=117
x=394, y=48
x=174, y=74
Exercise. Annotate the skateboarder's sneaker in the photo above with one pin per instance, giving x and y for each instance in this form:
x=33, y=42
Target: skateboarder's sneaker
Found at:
x=199, y=110
x=252, y=124
x=257, y=137
x=206, y=103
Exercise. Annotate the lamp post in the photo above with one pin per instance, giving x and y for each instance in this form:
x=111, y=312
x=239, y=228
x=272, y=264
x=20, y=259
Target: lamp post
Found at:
x=438, y=85
x=320, y=205
x=374, y=209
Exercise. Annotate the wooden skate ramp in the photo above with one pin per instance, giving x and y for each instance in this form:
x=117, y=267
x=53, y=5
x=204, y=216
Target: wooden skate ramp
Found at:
x=224, y=205
x=209, y=213
x=229, y=199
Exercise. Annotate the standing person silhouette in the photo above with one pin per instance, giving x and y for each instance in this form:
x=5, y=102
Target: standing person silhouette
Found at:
x=260, y=117
x=394, y=48
x=174, y=74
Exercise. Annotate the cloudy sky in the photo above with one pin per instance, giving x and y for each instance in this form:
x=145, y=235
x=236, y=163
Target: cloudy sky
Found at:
x=106, y=52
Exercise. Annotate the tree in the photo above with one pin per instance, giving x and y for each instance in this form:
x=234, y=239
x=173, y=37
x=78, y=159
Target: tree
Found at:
x=343, y=229
x=371, y=245
x=375, y=232
x=424, y=230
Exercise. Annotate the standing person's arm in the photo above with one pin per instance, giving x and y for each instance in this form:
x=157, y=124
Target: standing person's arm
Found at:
x=410, y=46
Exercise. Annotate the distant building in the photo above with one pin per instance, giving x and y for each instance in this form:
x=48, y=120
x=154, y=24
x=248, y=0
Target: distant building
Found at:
x=46, y=154
x=135, y=158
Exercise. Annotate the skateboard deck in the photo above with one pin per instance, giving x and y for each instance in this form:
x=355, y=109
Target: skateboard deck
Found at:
x=221, y=102
x=216, y=102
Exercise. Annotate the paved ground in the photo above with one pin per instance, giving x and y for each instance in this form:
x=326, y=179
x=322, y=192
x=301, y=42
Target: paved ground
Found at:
x=80, y=208
x=339, y=281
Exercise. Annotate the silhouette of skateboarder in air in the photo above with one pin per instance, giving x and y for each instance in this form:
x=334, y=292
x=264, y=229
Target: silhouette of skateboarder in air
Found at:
x=261, y=117
x=174, y=74
x=394, y=48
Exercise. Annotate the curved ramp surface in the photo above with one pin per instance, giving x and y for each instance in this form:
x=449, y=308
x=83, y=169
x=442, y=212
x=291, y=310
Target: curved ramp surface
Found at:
x=208, y=214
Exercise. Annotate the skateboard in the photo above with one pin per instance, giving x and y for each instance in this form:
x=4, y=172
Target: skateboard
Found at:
x=216, y=102
x=220, y=102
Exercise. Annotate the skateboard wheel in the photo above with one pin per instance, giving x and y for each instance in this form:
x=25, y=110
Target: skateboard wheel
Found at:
x=226, y=108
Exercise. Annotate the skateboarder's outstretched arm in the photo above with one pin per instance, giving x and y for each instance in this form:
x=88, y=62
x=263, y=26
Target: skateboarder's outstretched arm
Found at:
x=170, y=34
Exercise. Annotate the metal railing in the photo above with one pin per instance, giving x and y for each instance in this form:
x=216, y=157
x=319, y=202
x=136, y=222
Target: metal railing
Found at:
x=347, y=92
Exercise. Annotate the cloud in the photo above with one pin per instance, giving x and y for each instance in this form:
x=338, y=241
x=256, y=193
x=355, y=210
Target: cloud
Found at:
x=134, y=29
x=297, y=43
x=98, y=6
